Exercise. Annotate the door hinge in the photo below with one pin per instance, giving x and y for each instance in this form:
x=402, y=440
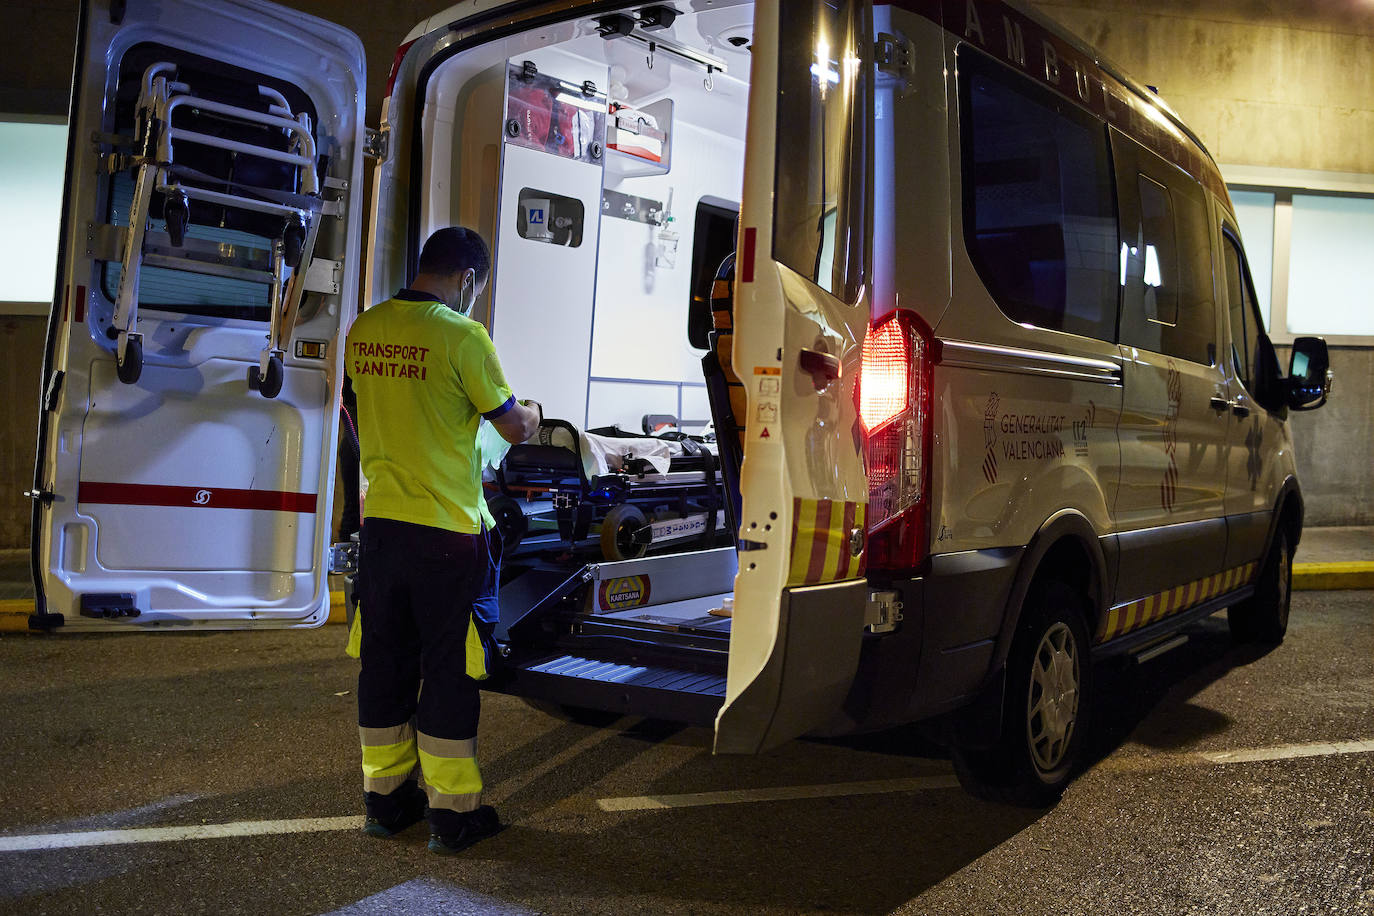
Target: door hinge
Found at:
x=883, y=612
x=894, y=56
x=54, y=390
x=43, y=496
x=343, y=558
x=376, y=142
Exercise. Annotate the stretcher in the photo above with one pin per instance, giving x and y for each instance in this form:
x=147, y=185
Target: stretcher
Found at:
x=235, y=157
x=641, y=490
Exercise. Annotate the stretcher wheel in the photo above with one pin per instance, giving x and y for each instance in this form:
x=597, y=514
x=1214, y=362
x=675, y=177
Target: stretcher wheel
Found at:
x=130, y=367
x=177, y=213
x=617, y=533
x=292, y=242
x=510, y=520
x=270, y=386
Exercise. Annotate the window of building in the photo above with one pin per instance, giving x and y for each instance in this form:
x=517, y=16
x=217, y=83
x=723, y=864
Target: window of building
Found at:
x=1331, y=270
x=33, y=156
x=1039, y=214
x=1307, y=237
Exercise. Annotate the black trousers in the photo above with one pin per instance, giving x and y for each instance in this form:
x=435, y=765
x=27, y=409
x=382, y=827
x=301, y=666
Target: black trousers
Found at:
x=428, y=604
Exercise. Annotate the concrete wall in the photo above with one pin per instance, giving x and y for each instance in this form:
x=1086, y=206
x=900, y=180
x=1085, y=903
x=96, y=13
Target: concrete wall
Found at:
x=1262, y=84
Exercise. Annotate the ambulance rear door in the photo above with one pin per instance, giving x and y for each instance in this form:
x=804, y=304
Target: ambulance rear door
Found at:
x=207, y=271
x=802, y=307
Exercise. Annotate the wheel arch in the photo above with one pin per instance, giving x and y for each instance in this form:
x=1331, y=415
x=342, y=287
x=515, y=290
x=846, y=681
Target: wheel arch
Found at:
x=1068, y=548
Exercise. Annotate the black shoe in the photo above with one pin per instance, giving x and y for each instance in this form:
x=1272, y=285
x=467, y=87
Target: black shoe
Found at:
x=476, y=825
x=395, y=812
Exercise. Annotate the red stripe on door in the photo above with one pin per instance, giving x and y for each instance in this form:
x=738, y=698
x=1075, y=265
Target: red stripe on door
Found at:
x=138, y=494
x=746, y=259
x=79, y=307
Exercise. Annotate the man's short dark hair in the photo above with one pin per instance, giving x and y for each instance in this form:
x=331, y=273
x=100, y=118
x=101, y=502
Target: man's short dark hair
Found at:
x=453, y=250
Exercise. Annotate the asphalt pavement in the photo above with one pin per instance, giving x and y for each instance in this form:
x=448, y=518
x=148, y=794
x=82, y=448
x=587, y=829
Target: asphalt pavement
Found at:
x=217, y=773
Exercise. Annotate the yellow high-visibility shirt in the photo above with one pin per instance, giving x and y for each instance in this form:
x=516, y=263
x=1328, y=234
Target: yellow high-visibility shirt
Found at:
x=424, y=376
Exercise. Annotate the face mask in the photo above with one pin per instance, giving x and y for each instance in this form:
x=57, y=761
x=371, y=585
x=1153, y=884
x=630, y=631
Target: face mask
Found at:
x=467, y=295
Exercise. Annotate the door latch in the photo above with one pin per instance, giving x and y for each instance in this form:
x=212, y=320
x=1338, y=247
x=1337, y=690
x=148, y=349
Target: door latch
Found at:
x=376, y=143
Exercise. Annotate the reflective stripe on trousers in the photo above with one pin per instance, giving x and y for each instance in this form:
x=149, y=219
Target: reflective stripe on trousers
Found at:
x=451, y=778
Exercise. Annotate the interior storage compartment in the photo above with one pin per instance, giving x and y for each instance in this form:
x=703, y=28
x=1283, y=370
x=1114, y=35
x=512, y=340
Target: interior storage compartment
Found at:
x=585, y=152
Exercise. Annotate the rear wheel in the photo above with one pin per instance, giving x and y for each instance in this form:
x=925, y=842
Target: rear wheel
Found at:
x=1044, y=710
x=1263, y=617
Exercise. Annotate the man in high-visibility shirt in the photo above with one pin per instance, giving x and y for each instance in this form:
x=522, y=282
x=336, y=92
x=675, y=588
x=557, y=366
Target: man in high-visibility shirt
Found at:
x=425, y=375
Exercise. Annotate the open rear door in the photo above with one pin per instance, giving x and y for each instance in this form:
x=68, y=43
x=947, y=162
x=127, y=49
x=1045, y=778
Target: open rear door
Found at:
x=209, y=259
x=802, y=308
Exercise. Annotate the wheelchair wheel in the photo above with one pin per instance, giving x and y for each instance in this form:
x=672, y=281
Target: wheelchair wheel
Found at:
x=618, y=529
x=510, y=520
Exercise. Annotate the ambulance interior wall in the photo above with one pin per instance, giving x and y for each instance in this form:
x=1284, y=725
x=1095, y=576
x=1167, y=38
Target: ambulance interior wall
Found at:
x=598, y=333
x=1263, y=83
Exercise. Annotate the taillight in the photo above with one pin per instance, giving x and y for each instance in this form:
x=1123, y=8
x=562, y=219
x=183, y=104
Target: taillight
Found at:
x=895, y=409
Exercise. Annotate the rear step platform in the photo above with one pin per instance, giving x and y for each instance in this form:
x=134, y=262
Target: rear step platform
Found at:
x=652, y=690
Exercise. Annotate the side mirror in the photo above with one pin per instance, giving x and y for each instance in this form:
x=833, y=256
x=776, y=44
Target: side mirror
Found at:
x=1309, y=374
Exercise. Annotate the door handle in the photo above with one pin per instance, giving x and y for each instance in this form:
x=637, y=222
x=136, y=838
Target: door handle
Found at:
x=823, y=367
x=1218, y=402
x=1239, y=409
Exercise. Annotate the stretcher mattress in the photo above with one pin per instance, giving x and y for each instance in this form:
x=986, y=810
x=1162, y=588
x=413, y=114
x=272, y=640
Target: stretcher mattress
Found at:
x=609, y=454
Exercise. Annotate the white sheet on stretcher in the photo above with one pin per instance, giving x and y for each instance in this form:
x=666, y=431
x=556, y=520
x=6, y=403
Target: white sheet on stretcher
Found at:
x=603, y=454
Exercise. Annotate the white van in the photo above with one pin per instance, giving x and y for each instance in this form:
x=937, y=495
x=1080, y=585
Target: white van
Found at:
x=1008, y=406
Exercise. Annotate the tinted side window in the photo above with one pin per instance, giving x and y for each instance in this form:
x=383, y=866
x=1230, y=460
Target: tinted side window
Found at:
x=1252, y=354
x=1168, y=305
x=1039, y=212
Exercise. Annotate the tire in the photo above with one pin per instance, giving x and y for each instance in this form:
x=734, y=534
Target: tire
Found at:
x=130, y=368
x=1044, y=709
x=1263, y=617
x=617, y=529
x=510, y=520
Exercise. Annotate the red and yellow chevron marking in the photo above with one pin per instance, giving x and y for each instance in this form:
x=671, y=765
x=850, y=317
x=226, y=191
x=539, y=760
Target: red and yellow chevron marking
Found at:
x=1127, y=617
x=820, y=541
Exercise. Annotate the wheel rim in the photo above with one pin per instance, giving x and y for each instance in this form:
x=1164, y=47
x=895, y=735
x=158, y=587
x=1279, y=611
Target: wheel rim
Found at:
x=1052, y=703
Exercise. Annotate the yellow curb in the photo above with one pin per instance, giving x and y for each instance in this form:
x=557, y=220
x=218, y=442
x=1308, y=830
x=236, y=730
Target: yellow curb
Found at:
x=1354, y=574
x=14, y=613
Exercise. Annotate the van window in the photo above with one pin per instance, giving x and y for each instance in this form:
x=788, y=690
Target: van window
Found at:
x=820, y=220
x=1168, y=304
x=1252, y=355
x=1039, y=215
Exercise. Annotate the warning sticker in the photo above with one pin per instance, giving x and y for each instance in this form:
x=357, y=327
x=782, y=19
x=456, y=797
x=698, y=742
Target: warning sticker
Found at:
x=768, y=370
x=768, y=412
x=624, y=592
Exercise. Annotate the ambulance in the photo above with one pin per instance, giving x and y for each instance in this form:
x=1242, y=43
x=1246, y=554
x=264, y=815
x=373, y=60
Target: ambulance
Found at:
x=1005, y=403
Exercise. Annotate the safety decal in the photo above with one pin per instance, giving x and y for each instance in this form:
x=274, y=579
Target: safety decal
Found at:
x=1254, y=457
x=1127, y=617
x=624, y=592
x=822, y=542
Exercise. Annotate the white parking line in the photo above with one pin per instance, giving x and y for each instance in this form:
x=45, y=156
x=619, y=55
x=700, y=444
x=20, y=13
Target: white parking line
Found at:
x=169, y=834
x=1290, y=751
x=48, y=841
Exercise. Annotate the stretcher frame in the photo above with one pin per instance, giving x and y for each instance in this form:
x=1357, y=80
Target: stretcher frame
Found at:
x=579, y=501
x=157, y=171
